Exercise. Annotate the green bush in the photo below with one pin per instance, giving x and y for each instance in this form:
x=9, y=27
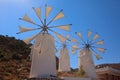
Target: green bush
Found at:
x=81, y=72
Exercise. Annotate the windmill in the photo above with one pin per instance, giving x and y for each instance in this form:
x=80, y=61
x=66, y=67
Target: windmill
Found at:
x=43, y=49
x=86, y=49
x=64, y=59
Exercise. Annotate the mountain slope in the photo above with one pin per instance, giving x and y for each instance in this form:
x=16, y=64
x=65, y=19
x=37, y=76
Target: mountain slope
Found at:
x=14, y=59
x=11, y=48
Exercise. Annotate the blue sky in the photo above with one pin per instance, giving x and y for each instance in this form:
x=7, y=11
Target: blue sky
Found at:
x=102, y=16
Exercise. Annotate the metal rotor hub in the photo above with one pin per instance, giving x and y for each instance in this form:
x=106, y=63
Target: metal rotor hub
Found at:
x=87, y=45
x=44, y=28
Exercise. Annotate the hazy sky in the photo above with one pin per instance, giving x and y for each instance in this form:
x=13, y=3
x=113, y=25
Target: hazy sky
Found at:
x=102, y=16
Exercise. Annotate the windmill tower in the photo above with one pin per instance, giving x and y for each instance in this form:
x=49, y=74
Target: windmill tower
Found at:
x=43, y=50
x=85, y=54
x=31, y=53
x=64, y=59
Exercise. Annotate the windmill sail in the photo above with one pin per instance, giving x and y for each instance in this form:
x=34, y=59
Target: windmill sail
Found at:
x=96, y=36
x=64, y=27
x=22, y=29
x=89, y=33
x=28, y=40
x=101, y=49
x=79, y=34
x=48, y=10
x=62, y=39
x=100, y=42
x=38, y=12
x=97, y=56
x=75, y=47
x=74, y=40
x=60, y=15
x=27, y=19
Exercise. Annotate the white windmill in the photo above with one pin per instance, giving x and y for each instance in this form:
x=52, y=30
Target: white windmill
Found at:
x=43, y=50
x=86, y=48
x=64, y=59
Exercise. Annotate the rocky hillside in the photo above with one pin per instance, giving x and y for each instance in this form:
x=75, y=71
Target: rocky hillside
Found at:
x=14, y=62
x=14, y=59
x=11, y=48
